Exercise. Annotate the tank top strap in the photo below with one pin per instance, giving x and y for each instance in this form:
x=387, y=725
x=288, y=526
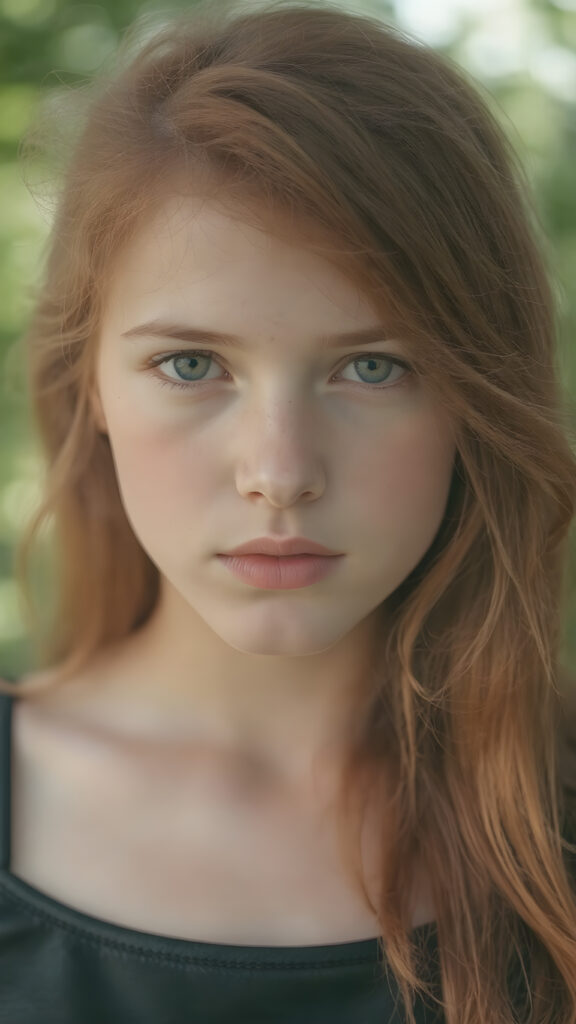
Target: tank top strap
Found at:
x=6, y=703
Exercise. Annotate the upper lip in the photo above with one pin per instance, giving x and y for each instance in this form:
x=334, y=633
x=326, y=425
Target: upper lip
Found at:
x=280, y=547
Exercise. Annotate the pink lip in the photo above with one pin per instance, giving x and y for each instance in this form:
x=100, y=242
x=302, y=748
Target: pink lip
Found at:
x=288, y=572
x=281, y=547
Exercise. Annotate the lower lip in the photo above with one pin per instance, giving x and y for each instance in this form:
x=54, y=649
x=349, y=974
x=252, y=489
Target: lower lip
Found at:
x=286, y=573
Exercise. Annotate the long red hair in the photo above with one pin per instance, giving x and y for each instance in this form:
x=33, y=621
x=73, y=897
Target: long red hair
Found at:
x=303, y=113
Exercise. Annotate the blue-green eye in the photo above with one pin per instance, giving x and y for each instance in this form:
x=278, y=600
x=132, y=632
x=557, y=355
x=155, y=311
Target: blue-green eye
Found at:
x=193, y=363
x=378, y=369
x=196, y=363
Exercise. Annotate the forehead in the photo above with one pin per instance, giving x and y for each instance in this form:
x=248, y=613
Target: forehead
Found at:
x=197, y=250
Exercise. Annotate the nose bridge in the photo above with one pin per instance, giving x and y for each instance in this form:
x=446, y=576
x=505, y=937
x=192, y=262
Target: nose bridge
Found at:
x=283, y=415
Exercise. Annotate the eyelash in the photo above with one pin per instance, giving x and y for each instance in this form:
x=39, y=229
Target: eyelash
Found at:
x=166, y=382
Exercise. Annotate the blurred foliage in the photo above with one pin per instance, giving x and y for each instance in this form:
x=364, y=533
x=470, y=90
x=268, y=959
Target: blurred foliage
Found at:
x=48, y=45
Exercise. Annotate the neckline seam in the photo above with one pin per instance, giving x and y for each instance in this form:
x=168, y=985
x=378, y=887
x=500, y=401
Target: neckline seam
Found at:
x=182, y=960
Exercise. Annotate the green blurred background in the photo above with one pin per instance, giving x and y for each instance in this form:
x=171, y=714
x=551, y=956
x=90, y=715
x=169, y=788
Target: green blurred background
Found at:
x=522, y=53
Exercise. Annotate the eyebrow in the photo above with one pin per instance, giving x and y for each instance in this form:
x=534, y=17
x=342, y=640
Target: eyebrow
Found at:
x=196, y=335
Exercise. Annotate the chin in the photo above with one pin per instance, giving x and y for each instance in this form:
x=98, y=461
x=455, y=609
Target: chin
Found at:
x=288, y=639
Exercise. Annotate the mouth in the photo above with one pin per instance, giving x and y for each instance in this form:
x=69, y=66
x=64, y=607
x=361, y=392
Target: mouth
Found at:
x=280, y=572
x=281, y=547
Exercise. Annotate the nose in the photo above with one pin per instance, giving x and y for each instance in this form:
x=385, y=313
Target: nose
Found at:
x=279, y=454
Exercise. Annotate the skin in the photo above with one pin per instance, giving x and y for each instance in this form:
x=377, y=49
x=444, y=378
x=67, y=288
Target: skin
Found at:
x=270, y=442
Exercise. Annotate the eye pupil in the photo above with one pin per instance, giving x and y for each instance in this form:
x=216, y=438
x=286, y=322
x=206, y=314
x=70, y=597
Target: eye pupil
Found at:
x=190, y=361
x=373, y=363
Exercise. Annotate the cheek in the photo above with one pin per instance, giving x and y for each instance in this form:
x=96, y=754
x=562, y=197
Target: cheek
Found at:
x=405, y=478
x=162, y=471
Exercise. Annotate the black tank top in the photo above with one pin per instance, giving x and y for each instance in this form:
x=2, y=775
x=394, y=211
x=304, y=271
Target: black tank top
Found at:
x=59, y=965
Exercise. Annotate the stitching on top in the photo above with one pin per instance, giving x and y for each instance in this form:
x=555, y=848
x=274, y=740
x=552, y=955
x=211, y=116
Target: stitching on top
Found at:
x=176, y=959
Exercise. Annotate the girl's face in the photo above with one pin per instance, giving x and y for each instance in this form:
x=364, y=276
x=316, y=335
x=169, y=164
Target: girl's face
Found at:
x=285, y=431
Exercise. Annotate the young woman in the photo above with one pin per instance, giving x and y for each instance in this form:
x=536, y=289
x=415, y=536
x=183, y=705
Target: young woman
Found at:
x=297, y=745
